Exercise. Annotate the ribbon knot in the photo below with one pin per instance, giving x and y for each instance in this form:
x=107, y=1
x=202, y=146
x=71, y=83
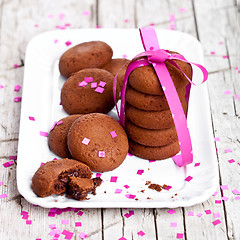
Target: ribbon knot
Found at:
x=158, y=56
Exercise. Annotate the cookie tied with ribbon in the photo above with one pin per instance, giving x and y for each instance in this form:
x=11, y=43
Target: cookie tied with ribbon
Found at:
x=159, y=59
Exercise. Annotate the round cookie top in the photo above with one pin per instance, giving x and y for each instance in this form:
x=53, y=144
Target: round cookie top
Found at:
x=57, y=137
x=88, y=91
x=98, y=141
x=145, y=80
x=94, y=54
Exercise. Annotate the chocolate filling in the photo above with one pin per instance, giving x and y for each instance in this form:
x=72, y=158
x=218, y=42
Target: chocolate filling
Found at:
x=77, y=194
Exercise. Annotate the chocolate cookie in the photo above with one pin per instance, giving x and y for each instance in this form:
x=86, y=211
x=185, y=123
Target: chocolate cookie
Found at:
x=149, y=137
x=98, y=141
x=87, y=91
x=154, y=153
x=93, y=54
x=57, y=137
x=145, y=80
x=52, y=177
x=150, y=102
x=151, y=119
x=118, y=66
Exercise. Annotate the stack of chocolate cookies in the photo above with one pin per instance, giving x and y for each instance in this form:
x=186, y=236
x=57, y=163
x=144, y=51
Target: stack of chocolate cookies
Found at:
x=149, y=123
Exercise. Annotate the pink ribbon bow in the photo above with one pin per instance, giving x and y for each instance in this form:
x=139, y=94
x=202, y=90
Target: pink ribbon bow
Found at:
x=156, y=57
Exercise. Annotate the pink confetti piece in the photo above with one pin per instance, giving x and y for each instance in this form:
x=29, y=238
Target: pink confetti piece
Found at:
x=152, y=24
x=88, y=79
x=179, y=235
x=224, y=198
x=140, y=171
x=217, y=139
x=25, y=216
x=173, y=224
x=98, y=26
x=80, y=213
x=50, y=16
x=113, y=179
x=225, y=56
x=8, y=164
x=17, y=99
x=199, y=215
x=82, y=84
x=131, y=212
x=171, y=211
x=13, y=157
x=93, y=85
x=172, y=18
x=182, y=9
x=99, y=90
x=168, y=188
x=208, y=211
x=36, y=25
x=113, y=134
x=61, y=16
x=44, y=134
x=15, y=65
x=86, y=13
x=227, y=150
x=56, y=41
x=216, y=215
x=216, y=222
x=28, y=222
x=17, y=88
x=231, y=161
x=126, y=186
x=82, y=235
x=151, y=161
x=215, y=194
x=60, y=122
x=1, y=183
x=124, y=56
x=65, y=221
x=224, y=187
x=126, y=20
x=102, y=84
x=118, y=190
x=141, y=233
x=51, y=214
x=3, y=195
x=190, y=213
x=220, y=43
x=235, y=191
x=189, y=178
x=78, y=224
x=68, y=43
x=127, y=215
x=52, y=226
x=98, y=174
x=197, y=164
x=212, y=53
x=218, y=201
x=31, y=118
x=101, y=154
x=130, y=196
x=228, y=92
x=85, y=141
x=68, y=235
x=130, y=155
x=122, y=238
x=1, y=86
x=237, y=197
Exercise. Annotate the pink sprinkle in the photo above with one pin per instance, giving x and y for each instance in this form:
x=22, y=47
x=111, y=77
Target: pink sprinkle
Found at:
x=102, y=84
x=3, y=195
x=217, y=139
x=212, y=53
x=217, y=215
x=99, y=89
x=17, y=88
x=31, y=118
x=182, y=9
x=65, y=221
x=101, y=154
x=215, y=194
x=68, y=235
x=113, y=134
x=173, y=224
x=188, y=179
x=235, y=191
x=140, y=172
x=1, y=86
x=179, y=235
x=80, y=213
x=130, y=196
x=199, y=215
x=237, y=197
x=122, y=238
x=126, y=186
x=124, y=56
x=228, y=92
x=225, y=198
x=61, y=16
x=227, y=150
x=98, y=175
x=17, y=99
x=15, y=65
x=56, y=41
x=8, y=164
x=218, y=201
x=28, y=222
x=208, y=211
x=216, y=222
x=190, y=213
x=93, y=85
x=197, y=164
x=88, y=79
x=44, y=134
x=225, y=56
x=231, y=161
x=78, y=224
x=224, y=187
x=118, y=190
x=171, y=211
x=85, y=141
x=86, y=13
x=13, y=157
x=68, y=43
x=141, y=233
x=82, y=235
x=82, y=84
x=113, y=179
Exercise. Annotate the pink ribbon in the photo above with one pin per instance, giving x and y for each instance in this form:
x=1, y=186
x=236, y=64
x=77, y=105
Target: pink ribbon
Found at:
x=157, y=57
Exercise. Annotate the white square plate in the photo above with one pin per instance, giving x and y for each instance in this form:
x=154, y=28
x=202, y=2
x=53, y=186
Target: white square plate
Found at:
x=41, y=97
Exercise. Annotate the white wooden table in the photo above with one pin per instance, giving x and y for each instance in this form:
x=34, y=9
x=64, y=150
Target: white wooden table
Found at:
x=215, y=24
